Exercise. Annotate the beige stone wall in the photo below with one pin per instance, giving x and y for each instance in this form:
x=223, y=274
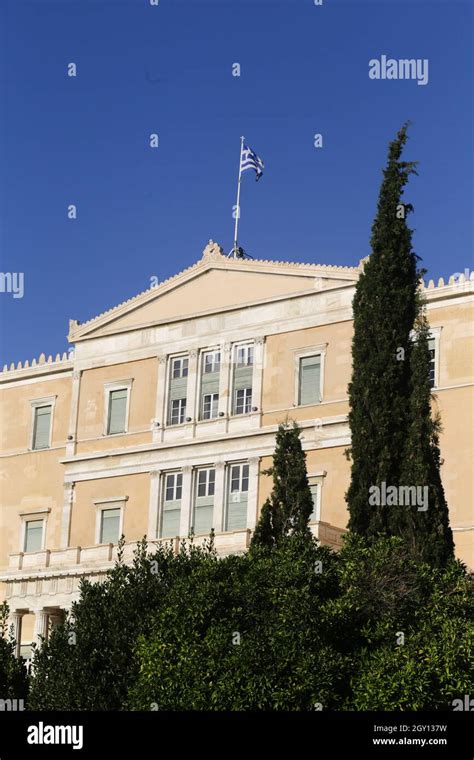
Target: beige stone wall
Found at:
x=279, y=372
x=30, y=480
x=83, y=520
x=90, y=431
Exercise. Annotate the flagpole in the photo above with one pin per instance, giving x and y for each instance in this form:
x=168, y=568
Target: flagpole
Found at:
x=237, y=210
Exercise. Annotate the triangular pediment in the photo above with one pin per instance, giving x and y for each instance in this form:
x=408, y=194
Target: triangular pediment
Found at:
x=215, y=283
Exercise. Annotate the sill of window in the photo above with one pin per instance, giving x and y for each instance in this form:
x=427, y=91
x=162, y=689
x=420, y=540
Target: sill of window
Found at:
x=43, y=448
x=304, y=406
x=114, y=435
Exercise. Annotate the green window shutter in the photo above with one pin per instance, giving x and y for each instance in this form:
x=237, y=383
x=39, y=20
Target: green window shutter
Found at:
x=33, y=535
x=203, y=514
x=117, y=411
x=42, y=427
x=242, y=377
x=178, y=388
x=170, y=518
x=310, y=373
x=237, y=511
x=209, y=383
x=110, y=526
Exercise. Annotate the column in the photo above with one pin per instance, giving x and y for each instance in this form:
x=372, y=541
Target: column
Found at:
x=257, y=375
x=68, y=499
x=153, y=505
x=191, y=392
x=72, y=434
x=41, y=626
x=16, y=619
x=186, y=495
x=252, y=503
x=160, y=413
x=219, y=497
x=225, y=392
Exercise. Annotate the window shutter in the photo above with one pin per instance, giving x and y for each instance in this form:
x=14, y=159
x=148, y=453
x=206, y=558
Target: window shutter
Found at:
x=242, y=378
x=110, y=527
x=209, y=383
x=33, y=535
x=170, y=519
x=178, y=388
x=203, y=514
x=237, y=511
x=310, y=370
x=42, y=427
x=117, y=411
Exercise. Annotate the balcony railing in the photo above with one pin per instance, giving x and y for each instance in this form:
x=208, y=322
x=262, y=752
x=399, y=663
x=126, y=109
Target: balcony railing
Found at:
x=103, y=555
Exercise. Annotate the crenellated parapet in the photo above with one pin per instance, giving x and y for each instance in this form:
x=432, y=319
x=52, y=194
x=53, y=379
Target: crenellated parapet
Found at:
x=43, y=363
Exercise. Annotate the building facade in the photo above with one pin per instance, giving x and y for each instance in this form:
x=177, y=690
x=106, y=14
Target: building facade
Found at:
x=163, y=416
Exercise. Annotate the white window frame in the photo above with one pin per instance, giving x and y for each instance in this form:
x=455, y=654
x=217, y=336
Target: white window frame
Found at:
x=35, y=404
x=175, y=486
x=207, y=482
x=180, y=410
x=305, y=353
x=241, y=465
x=213, y=400
x=116, y=502
x=39, y=514
x=214, y=352
x=316, y=480
x=248, y=349
x=181, y=359
x=120, y=385
x=245, y=391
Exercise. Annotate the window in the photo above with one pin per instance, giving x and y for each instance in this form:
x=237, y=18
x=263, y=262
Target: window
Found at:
x=177, y=411
x=243, y=401
x=117, y=412
x=171, y=512
x=244, y=356
x=110, y=526
x=309, y=380
x=33, y=536
x=314, y=516
x=174, y=486
x=211, y=362
x=210, y=371
x=178, y=384
x=210, y=404
x=236, y=517
x=179, y=367
x=242, y=384
x=204, y=501
x=432, y=370
x=42, y=427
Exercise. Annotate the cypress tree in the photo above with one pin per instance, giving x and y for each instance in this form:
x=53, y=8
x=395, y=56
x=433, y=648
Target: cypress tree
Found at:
x=288, y=509
x=384, y=308
x=395, y=438
x=426, y=528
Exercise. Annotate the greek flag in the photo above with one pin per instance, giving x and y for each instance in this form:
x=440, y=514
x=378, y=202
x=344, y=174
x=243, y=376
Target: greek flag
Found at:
x=250, y=160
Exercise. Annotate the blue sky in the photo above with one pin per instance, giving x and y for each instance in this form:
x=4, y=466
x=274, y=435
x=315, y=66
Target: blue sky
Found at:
x=168, y=70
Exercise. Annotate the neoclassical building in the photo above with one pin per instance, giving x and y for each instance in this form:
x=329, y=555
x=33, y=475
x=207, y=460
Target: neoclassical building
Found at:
x=163, y=416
